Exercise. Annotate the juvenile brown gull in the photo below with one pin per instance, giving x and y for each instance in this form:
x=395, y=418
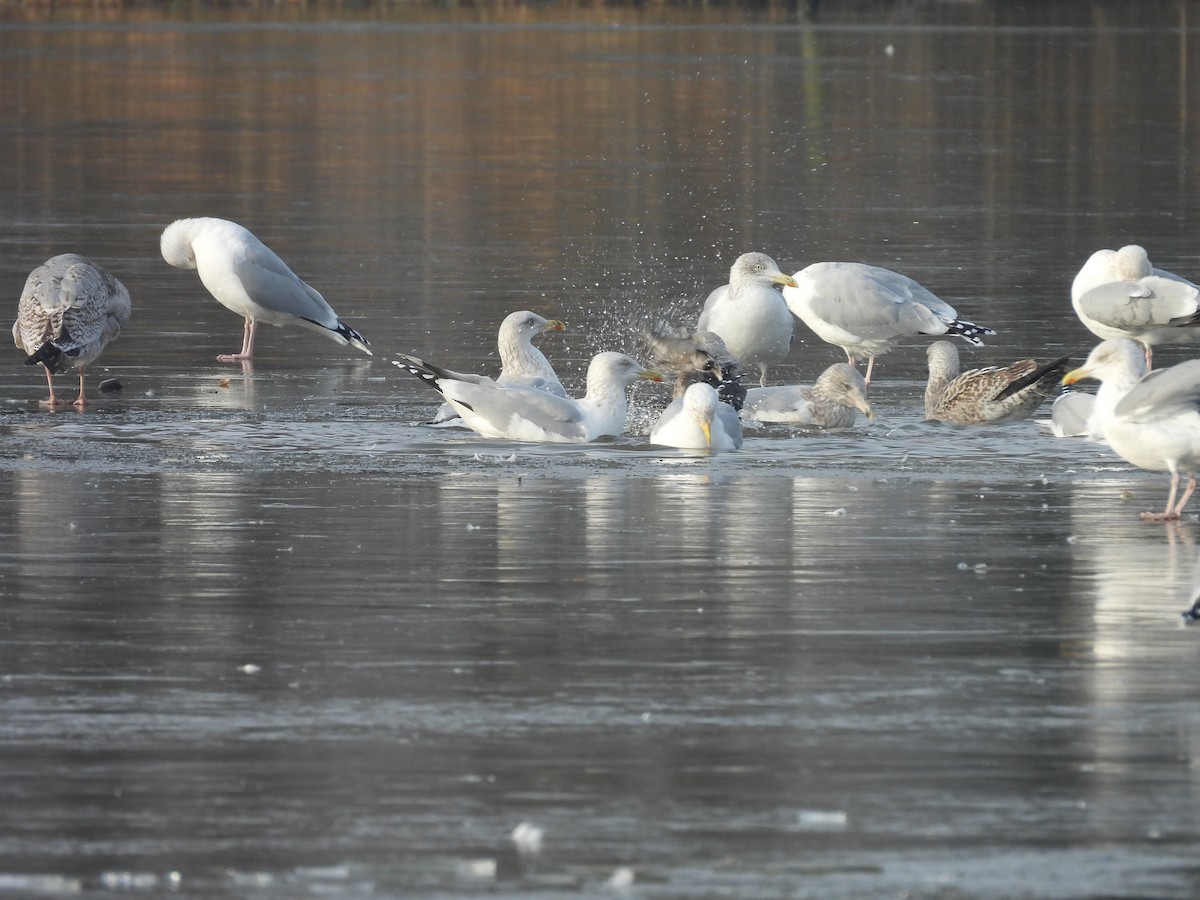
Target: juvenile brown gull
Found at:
x=1155, y=422
x=523, y=413
x=749, y=313
x=867, y=310
x=832, y=401
x=521, y=363
x=696, y=356
x=246, y=276
x=69, y=310
x=698, y=421
x=987, y=396
x=1119, y=294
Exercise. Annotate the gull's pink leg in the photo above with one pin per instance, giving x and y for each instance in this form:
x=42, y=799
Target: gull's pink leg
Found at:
x=870, y=368
x=1169, y=513
x=80, y=403
x=1187, y=495
x=247, y=345
x=53, y=401
x=1149, y=357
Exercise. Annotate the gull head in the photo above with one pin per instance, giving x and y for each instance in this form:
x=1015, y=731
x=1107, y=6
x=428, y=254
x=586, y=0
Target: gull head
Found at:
x=176, y=244
x=845, y=385
x=758, y=269
x=1120, y=360
x=700, y=404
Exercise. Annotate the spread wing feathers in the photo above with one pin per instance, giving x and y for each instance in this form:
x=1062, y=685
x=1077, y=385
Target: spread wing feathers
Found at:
x=696, y=356
x=1153, y=300
x=69, y=310
x=1162, y=394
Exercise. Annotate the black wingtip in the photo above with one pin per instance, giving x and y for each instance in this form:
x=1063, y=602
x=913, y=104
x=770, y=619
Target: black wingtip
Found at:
x=969, y=331
x=1051, y=373
x=427, y=372
x=50, y=355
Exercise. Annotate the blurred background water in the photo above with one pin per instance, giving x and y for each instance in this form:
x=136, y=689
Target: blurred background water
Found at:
x=264, y=634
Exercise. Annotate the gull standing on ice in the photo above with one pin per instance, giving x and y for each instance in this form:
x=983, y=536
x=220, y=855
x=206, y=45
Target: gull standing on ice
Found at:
x=698, y=421
x=833, y=400
x=246, y=276
x=987, y=396
x=1119, y=294
x=70, y=309
x=749, y=313
x=1155, y=422
x=522, y=413
x=521, y=363
x=867, y=310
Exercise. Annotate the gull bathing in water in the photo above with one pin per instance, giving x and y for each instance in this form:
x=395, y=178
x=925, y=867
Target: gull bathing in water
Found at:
x=246, y=276
x=867, y=310
x=70, y=309
x=987, y=396
x=1153, y=421
x=1118, y=294
x=698, y=421
x=521, y=363
x=696, y=356
x=749, y=313
x=522, y=413
x=833, y=400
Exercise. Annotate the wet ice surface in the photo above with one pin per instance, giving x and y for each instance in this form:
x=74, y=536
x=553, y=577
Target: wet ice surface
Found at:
x=264, y=635
x=278, y=639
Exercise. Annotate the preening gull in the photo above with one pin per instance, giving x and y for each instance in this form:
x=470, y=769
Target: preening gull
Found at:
x=521, y=363
x=1119, y=294
x=246, y=276
x=987, y=396
x=523, y=413
x=833, y=400
x=867, y=310
x=696, y=356
x=749, y=314
x=698, y=421
x=1155, y=422
x=1071, y=415
x=69, y=310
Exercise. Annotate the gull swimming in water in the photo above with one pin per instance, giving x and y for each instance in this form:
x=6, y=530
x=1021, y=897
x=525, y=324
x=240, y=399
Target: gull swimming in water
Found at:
x=832, y=401
x=521, y=363
x=1154, y=422
x=696, y=356
x=246, y=276
x=69, y=310
x=1119, y=294
x=987, y=396
x=523, y=413
x=867, y=310
x=749, y=313
x=698, y=420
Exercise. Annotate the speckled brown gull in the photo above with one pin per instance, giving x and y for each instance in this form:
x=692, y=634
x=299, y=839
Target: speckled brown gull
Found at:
x=69, y=311
x=1150, y=420
x=1119, y=294
x=750, y=315
x=867, y=310
x=696, y=356
x=832, y=401
x=521, y=363
x=987, y=396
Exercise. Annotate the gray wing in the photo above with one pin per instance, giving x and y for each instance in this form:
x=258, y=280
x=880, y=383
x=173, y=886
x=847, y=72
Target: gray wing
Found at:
x=510, y=410
x=1154, y=300
x=875, y=303
x=270, y=283
x=727, y=420
x=1163, y=394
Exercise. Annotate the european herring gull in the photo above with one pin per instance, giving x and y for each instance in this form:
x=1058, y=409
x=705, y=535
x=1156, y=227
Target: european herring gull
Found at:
x=521, y=363
x=749, y=314
x=696, y=356
x=70, y=309
x=698, y=421
x=987, y=396
x=1071, y=414
x=246, y=276
x=1119, y=294
x=1155, y=423
x=523, y=413
x=833, y=401
x=867, y=310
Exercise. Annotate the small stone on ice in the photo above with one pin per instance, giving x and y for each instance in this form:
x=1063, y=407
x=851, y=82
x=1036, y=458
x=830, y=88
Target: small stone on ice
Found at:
x=528, y=839
x=250, y=669
x=622, y=877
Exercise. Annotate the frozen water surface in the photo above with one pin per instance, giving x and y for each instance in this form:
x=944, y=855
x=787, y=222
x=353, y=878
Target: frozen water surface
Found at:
x=264, y=634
